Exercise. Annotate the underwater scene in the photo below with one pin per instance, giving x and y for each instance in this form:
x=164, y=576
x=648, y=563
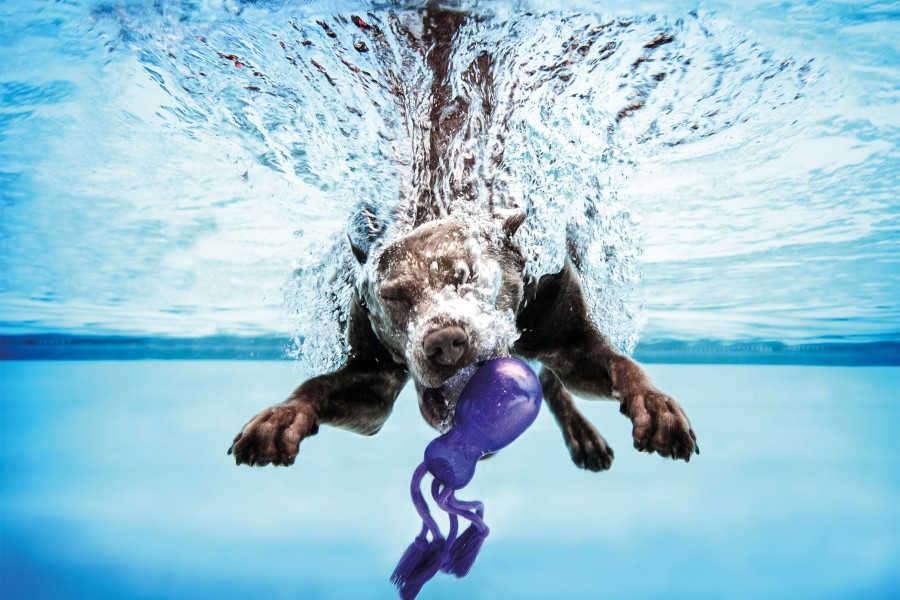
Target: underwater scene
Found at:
x=186, y=189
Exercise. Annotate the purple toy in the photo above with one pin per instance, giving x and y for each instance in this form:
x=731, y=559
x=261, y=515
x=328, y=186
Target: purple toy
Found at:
x=497, y=405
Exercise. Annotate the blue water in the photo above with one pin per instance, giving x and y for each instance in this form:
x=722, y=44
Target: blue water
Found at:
x=116, y=484
x=159, y=201
x=151, y=187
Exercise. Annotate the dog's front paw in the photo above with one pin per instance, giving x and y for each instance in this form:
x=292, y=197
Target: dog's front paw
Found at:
x=274, y=435
x=587, y=447
x=660, y=425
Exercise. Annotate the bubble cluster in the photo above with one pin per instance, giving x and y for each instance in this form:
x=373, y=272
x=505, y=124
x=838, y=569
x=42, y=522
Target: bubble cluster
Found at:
x=551, y=113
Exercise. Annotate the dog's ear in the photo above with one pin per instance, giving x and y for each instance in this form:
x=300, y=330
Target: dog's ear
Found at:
x=511, y=220
x=360, y=253
x=364, y=230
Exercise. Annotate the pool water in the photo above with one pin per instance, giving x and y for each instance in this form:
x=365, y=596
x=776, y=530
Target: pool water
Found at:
x=116, y=485
x=176, y=182
x=152, y=187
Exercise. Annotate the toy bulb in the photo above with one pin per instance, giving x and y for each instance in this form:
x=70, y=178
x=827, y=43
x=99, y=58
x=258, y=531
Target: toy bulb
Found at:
x=497, y=405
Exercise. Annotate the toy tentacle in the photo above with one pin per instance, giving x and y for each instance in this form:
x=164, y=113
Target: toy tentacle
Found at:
x=419, y=502
x=473, y=511
x=422, y=559
x=441, y=494
x=461, y=555
x=474, y=505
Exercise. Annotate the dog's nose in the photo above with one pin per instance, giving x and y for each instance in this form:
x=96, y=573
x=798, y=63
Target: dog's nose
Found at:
x=446, y=346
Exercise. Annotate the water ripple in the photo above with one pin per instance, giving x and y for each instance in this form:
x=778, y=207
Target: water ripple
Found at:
x=167, y=167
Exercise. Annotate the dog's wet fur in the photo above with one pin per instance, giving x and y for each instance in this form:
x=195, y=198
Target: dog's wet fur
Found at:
x=417, y=315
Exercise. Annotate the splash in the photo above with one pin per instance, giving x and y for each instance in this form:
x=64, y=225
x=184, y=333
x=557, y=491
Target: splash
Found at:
x=380, y=123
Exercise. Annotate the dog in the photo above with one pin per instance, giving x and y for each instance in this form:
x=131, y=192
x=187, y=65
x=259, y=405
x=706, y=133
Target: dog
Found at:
x=437, y=300
x=400, y=326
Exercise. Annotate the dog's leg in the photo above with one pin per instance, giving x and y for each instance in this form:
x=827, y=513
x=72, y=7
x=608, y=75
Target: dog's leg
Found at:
x=586, y=446
x=349, y=398
x=557, y=330
x=359, y=396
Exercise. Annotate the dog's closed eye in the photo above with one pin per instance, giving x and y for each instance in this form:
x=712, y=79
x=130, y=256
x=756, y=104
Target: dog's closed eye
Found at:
x=394, y=294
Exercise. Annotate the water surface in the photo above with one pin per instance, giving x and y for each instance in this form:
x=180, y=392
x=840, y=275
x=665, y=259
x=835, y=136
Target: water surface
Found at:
x=167, y=166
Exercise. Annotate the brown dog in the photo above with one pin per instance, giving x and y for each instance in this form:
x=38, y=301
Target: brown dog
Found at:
x=421, y=313
x=434, y=302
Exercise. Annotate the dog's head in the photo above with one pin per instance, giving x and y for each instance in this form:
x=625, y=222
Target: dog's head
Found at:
x=445, y=295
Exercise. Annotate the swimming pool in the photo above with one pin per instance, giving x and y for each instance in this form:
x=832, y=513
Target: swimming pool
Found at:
x=171, y=175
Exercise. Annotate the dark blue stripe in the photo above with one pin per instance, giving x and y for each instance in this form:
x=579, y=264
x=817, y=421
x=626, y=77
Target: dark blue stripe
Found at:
x=222, y=347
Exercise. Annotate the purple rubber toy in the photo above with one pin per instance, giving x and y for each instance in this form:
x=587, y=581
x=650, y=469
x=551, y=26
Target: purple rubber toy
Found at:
x=497, y=405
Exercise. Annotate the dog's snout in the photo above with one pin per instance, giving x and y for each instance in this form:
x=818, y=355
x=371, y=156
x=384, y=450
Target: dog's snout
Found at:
x=446, y=346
